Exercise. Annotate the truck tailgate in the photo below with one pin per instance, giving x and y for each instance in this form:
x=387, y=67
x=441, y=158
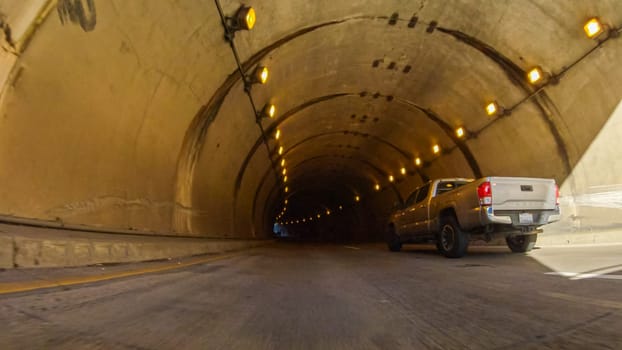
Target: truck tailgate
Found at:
x=520, y=193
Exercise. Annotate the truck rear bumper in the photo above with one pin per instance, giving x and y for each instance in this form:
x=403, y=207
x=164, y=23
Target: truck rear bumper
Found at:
x=519, y=218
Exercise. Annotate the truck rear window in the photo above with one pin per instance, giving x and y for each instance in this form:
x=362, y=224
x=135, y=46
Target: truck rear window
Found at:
x=446, y=186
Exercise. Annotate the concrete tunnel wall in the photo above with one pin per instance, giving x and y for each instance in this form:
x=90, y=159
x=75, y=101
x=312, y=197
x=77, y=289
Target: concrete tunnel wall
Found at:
x=142, y=123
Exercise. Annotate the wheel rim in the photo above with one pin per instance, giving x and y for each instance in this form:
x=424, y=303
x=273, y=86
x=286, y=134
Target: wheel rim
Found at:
x=448, y=235
x=518, y=240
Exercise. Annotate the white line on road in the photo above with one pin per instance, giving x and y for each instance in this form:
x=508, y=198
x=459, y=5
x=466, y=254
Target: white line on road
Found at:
x=578, y=276
x=351, y=247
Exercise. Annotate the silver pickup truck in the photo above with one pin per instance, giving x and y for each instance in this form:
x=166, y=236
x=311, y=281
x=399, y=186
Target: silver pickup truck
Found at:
x=454, y=211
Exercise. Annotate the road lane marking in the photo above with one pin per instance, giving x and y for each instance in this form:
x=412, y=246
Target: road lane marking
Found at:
x=579, y=276
x=583, y=300
x=15, y=287
x=351, y=247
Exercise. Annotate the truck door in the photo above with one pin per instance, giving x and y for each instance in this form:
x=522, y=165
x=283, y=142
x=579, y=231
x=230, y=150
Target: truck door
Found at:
x=420, y=214
x=404, y=221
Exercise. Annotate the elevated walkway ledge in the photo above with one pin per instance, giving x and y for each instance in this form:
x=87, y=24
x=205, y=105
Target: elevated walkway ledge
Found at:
x=27, y=247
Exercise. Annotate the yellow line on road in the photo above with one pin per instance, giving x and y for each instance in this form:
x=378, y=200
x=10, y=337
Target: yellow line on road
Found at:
x=15, y=287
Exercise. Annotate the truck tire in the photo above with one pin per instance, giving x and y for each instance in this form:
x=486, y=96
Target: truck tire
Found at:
x=393, y=240
x=522, y=243
x=452, y=241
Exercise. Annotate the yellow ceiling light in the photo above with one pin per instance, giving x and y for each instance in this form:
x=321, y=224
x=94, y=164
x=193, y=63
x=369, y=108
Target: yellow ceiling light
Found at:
x=286, y=189
x=436, y=149
x=282, y=162
x=246, y=17
x=269, y=111
x=535, y=75
x=318, y=216
x=377, y=187
x=277, y=134
x=357, y=198
x=327, y=212
x=593, y=28
x=284, y=171
x=340, y=207
x=391, y=178
x=492, y=108
x=403, y=171
x=460, y=132
x=304, y=220
x=418, y=161
x=280, y=150
x=310, y=218
x=286, y=201
x=285, y=178
x=262, y=74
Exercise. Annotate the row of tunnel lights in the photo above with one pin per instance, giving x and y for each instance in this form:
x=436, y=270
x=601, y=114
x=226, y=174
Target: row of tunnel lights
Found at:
x=305, y=219
x=536, y=76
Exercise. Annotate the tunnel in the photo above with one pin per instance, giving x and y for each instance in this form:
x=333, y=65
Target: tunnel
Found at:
x=146, y=116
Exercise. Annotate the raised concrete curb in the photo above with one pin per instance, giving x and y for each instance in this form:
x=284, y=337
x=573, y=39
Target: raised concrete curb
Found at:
x=34, y=247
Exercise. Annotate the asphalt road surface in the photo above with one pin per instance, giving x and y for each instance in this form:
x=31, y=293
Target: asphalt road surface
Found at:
x=289, y=296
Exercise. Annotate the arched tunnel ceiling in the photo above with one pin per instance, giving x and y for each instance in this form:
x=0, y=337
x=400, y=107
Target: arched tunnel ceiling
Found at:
x=362, y=89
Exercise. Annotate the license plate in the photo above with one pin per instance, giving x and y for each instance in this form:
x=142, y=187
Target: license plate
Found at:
x=525, y=218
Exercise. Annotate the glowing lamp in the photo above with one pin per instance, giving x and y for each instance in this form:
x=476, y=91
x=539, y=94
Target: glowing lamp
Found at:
x=391, y=178
x=460, y=132
x=277, y=134
x=280, y=150
x=282, y=162
x=403, y=171
x=492, y=108
x=593, y=28
x=436, y=149
x=357, y=198
x=377, y=187
x=418, y=161
x=535, y=75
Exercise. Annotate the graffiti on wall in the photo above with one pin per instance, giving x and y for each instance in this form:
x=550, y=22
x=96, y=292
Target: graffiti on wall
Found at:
x=80, y=12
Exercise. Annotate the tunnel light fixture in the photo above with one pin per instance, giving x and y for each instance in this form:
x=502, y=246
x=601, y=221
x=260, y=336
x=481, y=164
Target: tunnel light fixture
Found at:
x=285, y=201
x=280, y=150
x=418, y=161
x=319, y=215
x=391, y=178
x=244, y=19
x=260, y=75
x=268, y=111
x=460, y=132
x=340, y=207
x=304, y=220
x=493, y=108
x=327, y=212
x=593, y=27
x=286, y=189
x=357, y=198
x=283, y=162
x=436, y=149
x=284, y=171
x=377, y=187
x=535, y=75
x=285, y=178
x=277, y=134
x=403, y=171
x=310, y=218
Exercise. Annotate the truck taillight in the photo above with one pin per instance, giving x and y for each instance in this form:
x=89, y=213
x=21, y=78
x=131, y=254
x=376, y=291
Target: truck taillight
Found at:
x=484, y=192
x=556, y=195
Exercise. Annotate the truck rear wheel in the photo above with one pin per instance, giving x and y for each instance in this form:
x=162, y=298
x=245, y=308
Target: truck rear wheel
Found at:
x=393, y=240
x=452, y=241
x=522, y=243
